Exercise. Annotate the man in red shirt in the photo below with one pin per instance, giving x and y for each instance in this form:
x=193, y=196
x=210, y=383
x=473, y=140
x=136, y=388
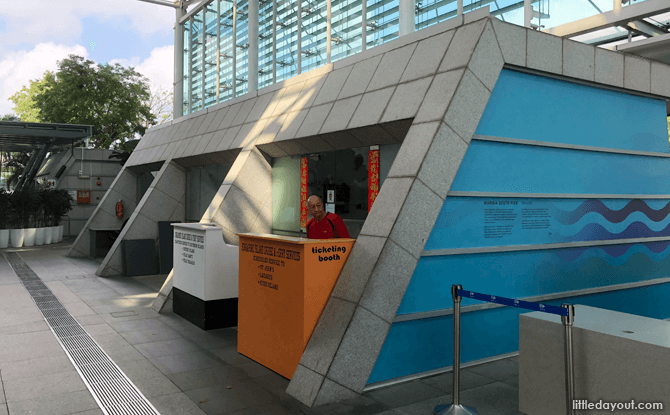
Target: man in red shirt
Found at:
x=324, y=225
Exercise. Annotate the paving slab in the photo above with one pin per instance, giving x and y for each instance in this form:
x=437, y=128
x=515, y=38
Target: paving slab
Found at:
x=175, y=404
x=53, y=384
x=185, y=362
x=36, y=367
x=404, y=394
x=167, y=347
x=67, y=403
x=220, y=375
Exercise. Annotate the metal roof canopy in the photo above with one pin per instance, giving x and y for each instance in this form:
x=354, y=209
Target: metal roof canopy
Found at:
x=29, y=136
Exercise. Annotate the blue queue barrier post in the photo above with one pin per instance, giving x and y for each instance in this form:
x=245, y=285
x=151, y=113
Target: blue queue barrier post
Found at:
x=456, y=408
x=567, y=313
x=569, y=362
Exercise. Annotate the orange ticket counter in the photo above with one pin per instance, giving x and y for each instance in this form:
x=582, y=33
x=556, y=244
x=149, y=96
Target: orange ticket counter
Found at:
x=284, y=284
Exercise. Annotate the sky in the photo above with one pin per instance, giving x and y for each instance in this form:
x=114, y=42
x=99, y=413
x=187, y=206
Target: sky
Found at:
x=36, y=34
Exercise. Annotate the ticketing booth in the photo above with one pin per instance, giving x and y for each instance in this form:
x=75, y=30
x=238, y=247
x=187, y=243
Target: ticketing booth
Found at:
x=284, y=284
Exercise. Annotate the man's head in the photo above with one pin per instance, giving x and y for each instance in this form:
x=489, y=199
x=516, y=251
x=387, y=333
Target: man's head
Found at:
x=315, y=207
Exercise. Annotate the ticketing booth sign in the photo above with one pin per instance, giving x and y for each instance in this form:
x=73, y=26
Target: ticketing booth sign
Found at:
x=83, y=196
x=284, y=285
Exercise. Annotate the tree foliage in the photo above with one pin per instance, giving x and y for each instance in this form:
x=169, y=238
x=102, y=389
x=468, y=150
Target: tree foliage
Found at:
x=9, y=117
x=160, y=102
x=111, y=98
x=24, y=100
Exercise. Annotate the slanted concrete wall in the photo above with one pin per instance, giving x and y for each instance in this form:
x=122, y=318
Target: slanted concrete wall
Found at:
x=162, y=202
x=124, y=187
x=460, y=68
x=439, y=81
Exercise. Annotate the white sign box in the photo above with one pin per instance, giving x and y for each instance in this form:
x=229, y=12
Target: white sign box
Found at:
x=204, y=266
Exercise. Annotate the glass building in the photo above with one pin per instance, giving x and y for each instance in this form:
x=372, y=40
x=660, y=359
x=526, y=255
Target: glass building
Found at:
x=233, y=47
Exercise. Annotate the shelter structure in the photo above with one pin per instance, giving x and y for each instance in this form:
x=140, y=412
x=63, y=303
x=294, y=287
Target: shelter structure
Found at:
x=39, y=139
x=507, y=160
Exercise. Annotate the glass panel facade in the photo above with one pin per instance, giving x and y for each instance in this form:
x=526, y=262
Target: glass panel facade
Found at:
x=346, y=172
x=196, y=62
x=314, y=34
x=218, y=71
x=287, y=39
x=265, y=42
x=430, y=12
x=242, y=58
x=211, y=49
x=509, y=11
x=382, y=22
x=202, y=183
x=286, y=195
x=226, y=50
x=547, y=14
x=346, y=20
x=187, y=67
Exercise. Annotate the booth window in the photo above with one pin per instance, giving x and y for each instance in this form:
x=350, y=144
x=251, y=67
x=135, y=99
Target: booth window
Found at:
x=342, y=172
x=202, y=183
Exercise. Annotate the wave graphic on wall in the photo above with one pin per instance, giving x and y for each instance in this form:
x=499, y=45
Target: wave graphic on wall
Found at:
x=597, y=232
x=615, y=254
x=613, y=216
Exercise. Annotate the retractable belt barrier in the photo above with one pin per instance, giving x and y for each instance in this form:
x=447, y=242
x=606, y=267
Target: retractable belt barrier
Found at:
x=567, y=313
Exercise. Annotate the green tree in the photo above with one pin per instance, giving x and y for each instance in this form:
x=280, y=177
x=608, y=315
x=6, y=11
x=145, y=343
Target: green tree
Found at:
x=9, y=117
x=24, y=100
x=111, y=98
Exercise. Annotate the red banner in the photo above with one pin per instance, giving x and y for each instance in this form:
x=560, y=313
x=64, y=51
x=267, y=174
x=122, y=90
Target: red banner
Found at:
x=373, y=177
x=303, y=194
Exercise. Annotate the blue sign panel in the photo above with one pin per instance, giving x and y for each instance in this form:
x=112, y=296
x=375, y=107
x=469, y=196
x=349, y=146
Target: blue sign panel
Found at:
x=466, y=222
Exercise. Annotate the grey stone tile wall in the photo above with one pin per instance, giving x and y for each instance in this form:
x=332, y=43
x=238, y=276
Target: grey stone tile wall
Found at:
x=164, y=197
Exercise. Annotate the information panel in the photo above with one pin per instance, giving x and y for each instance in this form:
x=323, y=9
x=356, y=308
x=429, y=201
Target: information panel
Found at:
x=466, y=222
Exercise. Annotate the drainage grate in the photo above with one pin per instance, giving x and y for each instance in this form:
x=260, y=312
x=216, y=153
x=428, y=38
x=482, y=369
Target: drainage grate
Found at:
x=69, y=331
x=49, y=305
x=55, y=312
x=111, y=389
x=45, y=299
x=78, y=342
x=62, y=321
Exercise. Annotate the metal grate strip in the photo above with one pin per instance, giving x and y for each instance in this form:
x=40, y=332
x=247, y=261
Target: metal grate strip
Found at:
x=68, y=331
x=112, y=390
x=41, y=293
x=62, y=321
x=100, y=372
x=55, y=312
x=116, y=392
x=88, y=356
x=38, y=300
x=141, y=408
x=78, y=342
x=50, y=305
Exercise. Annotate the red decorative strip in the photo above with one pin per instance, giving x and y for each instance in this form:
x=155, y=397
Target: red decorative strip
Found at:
x=373, y=177
x=303, y=194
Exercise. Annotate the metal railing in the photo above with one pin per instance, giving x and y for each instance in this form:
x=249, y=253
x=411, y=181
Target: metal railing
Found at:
x=567, y=313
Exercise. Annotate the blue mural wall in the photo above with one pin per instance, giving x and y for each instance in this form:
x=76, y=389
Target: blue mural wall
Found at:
x=531, y=107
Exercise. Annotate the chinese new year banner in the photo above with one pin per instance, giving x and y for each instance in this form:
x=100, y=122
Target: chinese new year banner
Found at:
x=373, y=177
x=303, y=194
